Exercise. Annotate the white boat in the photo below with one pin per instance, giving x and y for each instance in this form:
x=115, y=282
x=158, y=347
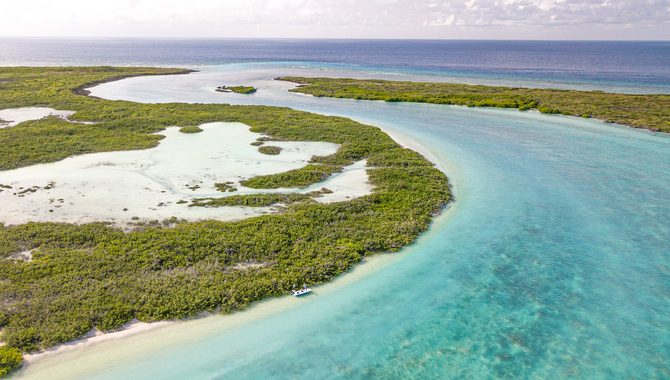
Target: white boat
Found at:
x=302, y=291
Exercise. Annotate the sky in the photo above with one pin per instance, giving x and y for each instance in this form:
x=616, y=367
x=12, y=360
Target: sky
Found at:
x=394, y=19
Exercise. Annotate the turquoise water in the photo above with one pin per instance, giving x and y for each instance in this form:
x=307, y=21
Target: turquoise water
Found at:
x=553, y=263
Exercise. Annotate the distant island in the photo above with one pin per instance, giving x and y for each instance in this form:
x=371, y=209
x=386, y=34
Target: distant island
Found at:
x=650, y=112
x=237, y=89
x=58, y=281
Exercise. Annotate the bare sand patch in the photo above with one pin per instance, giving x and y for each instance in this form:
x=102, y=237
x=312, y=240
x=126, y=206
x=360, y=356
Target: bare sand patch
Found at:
x=353, y=182
x=26, y=256
x=15, y=116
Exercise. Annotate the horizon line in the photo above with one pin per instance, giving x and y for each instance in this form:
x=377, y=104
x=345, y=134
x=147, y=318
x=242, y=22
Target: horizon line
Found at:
x=326, y=39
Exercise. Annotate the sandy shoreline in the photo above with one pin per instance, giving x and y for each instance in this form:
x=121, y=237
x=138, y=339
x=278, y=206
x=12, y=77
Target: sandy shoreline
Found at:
x=95, y=336
x=93, y=354
x=138, y=338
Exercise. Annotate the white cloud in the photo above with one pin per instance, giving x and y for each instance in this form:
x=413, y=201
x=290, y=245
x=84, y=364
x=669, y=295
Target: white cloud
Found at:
x=441, y=20
x=330, y=18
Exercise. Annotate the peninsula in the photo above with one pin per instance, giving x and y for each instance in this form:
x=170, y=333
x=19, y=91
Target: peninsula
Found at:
x=59, y=281
x=650, y=112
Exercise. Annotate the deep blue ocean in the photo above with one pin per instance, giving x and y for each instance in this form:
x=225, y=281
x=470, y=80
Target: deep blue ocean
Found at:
x=630, y=66
x=552, y=263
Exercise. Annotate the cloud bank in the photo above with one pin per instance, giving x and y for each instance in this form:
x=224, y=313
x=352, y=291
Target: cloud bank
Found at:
x=524, y=19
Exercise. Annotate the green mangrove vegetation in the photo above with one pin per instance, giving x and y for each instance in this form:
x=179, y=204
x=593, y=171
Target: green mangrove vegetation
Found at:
x=269, y=149
x=256, y=200
x=88, y=276
x=302, y=177
x=242, y=89
x=225, y=186
x=10, y=359
x=237, y=89
x=190, y=129
x=639, y=111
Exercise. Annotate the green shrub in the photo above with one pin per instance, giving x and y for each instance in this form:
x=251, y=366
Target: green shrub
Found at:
x=10, y=359
x=302, y=177
x=242, y=89
x=22, y=337
x=190, y=129
x=253, y=200
x=225, y=186
x=118, y=316
x=548, y=110
x=271, y=150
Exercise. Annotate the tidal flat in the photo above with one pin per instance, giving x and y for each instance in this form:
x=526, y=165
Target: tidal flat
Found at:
x=131, y=188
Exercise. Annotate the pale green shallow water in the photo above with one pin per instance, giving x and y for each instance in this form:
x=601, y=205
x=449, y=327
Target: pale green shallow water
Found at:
x=553, y=263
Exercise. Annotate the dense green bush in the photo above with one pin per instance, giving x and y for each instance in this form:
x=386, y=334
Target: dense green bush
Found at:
x=302, y=177
x=254, y=200
x=242, y=89
x=117, y=316
x=225, y=186
x=548, y=110
x=190, y=129
x=10, y=359
x=271, y=150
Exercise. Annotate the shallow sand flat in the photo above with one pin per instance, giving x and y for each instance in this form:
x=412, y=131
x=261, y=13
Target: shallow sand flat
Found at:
x=353, y=182
x=147, y=184
x=18, y=115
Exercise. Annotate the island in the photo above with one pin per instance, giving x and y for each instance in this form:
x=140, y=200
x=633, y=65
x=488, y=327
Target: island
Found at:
x=237, y=89
x=190, y=129
x=60, y=281
x=650, y=111
x=268, y=149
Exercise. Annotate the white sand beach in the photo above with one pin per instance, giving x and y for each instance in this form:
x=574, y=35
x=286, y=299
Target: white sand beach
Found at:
x=135, y=339
x=96, y=336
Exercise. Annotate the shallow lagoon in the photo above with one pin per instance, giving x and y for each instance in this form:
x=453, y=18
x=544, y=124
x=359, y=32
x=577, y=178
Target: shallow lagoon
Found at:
x=552, y=263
